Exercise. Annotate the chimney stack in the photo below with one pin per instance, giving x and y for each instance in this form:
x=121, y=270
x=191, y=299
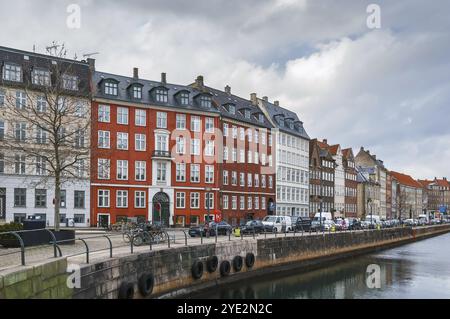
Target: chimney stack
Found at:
x=228, y=89
x=362, y=148
x=265, y=98
x=325, y=141
x=91, y=63
x=199, y=82
x=163, y=78
x=254, y=99
x=135, y=73
x=277, y=103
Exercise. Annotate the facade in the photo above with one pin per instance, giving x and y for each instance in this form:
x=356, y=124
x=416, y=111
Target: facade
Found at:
x=29, y=81
x=351, y=183
x=366, y=160
x=369, y=192
x=292, y=159
x=247, y=166
x=154, y=155
x=409, y=196
x=339, y=180
x=322, y=168
x=437, y=192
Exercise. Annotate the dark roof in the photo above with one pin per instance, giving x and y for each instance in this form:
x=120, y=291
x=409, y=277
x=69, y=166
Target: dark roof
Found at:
x=222, y=99
x=30, y=60
x=125, y=82
x=276, y=111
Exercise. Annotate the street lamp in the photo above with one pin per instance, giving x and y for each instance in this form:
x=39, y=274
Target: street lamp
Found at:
x=369, y=204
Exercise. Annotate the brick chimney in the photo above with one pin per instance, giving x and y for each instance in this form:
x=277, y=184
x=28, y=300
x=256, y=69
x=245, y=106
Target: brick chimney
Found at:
x=135, y=73
x=228, y=89
x=254, y=99
x=199, y=82
x=265, y=98
x=277, y=103
x=163, y=78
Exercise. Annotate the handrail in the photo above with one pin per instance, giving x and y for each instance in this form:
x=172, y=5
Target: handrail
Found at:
x=22, y=246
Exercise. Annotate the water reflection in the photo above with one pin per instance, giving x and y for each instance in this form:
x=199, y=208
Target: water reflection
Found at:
x=418, y=270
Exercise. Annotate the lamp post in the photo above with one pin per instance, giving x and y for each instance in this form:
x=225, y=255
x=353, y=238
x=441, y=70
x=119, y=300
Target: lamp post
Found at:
x=369, y=206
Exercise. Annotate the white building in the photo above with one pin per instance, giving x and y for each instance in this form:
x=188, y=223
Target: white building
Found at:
x=339, y=181
x=292, y=160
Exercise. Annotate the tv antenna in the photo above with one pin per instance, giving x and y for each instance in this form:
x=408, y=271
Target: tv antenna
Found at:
x=88, y=55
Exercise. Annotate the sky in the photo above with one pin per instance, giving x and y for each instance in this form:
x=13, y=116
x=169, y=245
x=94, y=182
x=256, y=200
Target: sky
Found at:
x=387, y=89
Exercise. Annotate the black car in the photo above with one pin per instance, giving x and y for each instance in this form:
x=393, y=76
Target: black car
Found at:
x=302, y=224
x=197, y=231
x=223, y=228
x=252, y=226
x=355, y=225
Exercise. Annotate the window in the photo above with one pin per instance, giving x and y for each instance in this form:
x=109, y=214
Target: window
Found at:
x=263, y=181
x=181, y=145
x=225, y=177
x=205, y=101
x=233, y=202
x=139, y=199
x=122, y=170
x=225, y=153
x=103, y=139
x=209, y=174
x=256, y=202
x=2, y=163
x=181, y=172
x=250, y=135
x=234, y=155
x=79, y=199
x=225, y=201
x=2, y=98
x=137, y=92
x=242, y=179
x=234, y=178
x=256, y=180
x=231, y=109
x=209, y=125
x=242, y=134
x=263, y=138
x=41, y=77
x=140, y=117
x=249, y=202
x=40, y=198
x=195, y=173
x=195, y=146
x=247, y=114
x=180, y=199
x=181, y=121
x=195, y=200
x=41, y=104
x=12, y=72
x=2, y=130
x=242, y=202
x=161, y=95
x=78, y=218
x=122, y=199
x=140, y=169
x=249, y=157
x=19, y=163
x=140, y=144
x=209, y=200
x=103, y=198
x=261, y=118
x=249, y=180
x=103, y=168
x=209, y=149
x=63, y=202
x=161, y=142
x=104, y=113
x=242, y=156
x=122, y=115
x=111, y=88
x=161, y=172
x=256, y=137
x=41, y=136
x=184, y=98
x=70, y=82
x=122, y=141
x=234, y=132
x=41, y=166
x=270, y=181
x=21, y=100
x=20, y=197
x=195, y=123
x=161, y=119
x=225, y=129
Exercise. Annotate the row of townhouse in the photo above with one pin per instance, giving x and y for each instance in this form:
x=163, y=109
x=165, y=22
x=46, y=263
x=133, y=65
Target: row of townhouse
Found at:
x=150, y=150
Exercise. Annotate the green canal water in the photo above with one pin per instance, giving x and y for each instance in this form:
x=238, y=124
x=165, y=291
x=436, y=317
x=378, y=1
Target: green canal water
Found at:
x=417, y=270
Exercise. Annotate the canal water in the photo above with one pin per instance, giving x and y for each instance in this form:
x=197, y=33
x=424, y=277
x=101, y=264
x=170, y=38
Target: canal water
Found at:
x=417, y=270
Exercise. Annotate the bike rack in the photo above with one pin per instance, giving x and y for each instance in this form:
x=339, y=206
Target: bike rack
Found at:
x=110, y=246
x=55, y=245
x=87, y=249
x=201, y=237
x=168, y=239
x=22, y=246
x=185, y=237
x=254, y=235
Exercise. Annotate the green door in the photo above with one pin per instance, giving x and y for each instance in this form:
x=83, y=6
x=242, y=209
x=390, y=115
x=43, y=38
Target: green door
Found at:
x=161, y=209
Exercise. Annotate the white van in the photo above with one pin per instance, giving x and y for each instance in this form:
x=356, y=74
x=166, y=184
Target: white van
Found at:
x=373, y=219
x=325, y=216
x=277, y=223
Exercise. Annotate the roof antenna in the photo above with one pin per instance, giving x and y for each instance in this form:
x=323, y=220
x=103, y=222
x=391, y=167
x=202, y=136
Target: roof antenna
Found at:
x=88, y=55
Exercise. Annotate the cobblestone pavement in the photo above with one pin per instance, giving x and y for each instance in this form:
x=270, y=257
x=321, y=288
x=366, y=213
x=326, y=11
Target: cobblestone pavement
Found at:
x=99, y=247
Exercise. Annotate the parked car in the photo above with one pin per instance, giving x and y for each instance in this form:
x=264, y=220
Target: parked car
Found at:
x=355, y=225
x=223, y=228
x=302, y=224
x=197, y=231
x=252, y=226
x=324, y=226
x=277, y=223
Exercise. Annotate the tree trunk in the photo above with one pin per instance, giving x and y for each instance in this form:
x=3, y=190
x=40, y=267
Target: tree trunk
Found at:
x=57, y=201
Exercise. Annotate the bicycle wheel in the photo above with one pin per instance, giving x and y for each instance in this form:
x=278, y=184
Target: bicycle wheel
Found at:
x=138, y=240
x=126, y=237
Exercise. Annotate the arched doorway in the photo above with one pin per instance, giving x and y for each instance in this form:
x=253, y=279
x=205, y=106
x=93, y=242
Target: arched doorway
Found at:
x=161, y=209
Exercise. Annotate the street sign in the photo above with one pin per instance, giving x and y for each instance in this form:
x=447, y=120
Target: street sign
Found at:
x=443, y=209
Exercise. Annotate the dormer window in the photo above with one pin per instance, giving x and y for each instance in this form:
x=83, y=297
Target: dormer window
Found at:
x=184, y=98
x=205, y=101
x=247, y=114
x=137, y=92
x=12, y=72
x=161, y=95
x=111, y=88
x=41, y=77
x=281, y=121
x=261, y=118
x=70, y=82
x=231, y=109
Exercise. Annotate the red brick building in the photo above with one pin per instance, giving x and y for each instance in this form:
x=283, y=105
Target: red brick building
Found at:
x=351, y=183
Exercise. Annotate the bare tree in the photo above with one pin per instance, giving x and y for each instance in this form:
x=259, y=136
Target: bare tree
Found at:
x=49, y=123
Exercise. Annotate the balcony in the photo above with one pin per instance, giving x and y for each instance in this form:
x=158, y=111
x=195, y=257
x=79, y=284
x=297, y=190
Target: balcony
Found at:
x=162, y=154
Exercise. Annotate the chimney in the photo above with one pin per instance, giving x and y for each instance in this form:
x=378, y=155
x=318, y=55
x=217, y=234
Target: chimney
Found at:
x=265, y=98
x=199, y=82
x=228, y=89
x=163, y=78
x=135, y=73
x=362, y=148
x=254, y=99
x=325, y=141
x=374, y=156
x=91, y=64
x=277, y=103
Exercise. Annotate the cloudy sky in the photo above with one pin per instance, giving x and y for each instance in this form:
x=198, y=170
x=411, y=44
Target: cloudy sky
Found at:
x=387, y=89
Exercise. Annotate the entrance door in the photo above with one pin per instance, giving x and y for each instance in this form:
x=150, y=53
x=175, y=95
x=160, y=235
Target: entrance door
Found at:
x=161, y=209
x=103, y=220
x=2, y=203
